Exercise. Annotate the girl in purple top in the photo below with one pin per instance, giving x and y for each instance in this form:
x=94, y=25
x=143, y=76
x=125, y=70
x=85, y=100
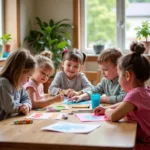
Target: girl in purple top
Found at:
x=133, y=70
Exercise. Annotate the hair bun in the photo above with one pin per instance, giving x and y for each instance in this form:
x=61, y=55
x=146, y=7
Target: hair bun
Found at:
x=137, y=47
x=47, y=54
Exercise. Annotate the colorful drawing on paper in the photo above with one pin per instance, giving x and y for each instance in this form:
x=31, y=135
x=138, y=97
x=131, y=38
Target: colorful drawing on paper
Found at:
x=88, y=117
x=71, y=127
x=39, y=116
x=66, y=101
x=57, y=115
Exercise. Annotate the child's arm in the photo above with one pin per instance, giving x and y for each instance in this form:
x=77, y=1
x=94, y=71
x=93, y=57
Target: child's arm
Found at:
x=117, y=98
x=99, y=88
x=42, y=103
x=9, y=102
x=119, y=112
x=85, y=82
x=84, y=96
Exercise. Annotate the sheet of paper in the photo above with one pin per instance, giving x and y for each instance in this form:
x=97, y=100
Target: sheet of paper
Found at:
x=39, y=116
x=66, y=101
x=46, y=116
x=56, y=115
x=90, y=117
x=71, y=127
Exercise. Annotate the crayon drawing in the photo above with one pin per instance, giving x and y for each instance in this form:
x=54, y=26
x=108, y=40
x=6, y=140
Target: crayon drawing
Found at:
x=39, y=116
x=66, y=101
x=71, y=127
x=89, y=117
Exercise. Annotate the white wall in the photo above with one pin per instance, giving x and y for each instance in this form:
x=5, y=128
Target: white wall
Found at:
x=55, y=9
x=27, y=21
x=45, y=10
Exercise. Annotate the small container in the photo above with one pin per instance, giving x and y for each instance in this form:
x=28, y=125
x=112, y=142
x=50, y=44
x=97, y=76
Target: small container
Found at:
x=95, y=98
x=24, y=121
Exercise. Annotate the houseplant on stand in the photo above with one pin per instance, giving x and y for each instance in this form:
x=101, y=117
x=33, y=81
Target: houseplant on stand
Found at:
x=6, y=47
x=144, y=32
x=52, y=36
x=98, y=47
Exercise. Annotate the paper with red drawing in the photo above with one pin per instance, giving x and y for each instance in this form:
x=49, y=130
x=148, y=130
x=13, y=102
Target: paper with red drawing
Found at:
x=46, y=116
x=39, y=116
x=89, y=117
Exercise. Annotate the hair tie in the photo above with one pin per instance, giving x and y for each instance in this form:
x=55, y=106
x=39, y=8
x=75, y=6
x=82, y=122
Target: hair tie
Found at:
x=65, y=50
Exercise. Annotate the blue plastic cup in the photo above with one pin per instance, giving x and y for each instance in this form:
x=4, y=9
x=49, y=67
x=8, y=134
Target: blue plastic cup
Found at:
x=95, y=98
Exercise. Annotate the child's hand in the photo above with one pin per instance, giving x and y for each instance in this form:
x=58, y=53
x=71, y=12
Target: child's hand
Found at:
x=104, y=98
x=24, y=109
x=77, y=98
x=99, y=110
x=66, y=92
x=73, y=93
x=59, y=98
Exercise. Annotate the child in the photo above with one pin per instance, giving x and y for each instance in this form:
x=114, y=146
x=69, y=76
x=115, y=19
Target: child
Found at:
x=109, y=87
x=34, y=86
x=18, y=68
x=70, y=81
x=134, y=70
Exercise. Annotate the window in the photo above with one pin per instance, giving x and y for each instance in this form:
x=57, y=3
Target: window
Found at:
x=1, y=17
x=111, y=21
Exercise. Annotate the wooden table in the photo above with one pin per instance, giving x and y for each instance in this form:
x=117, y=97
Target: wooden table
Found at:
x=109, y=136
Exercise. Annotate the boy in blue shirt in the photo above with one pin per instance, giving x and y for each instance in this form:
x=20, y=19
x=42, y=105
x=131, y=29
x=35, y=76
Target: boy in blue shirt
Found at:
x=109, y=87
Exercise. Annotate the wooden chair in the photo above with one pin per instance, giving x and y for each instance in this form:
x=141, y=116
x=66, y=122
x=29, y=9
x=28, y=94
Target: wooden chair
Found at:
x=93, y=76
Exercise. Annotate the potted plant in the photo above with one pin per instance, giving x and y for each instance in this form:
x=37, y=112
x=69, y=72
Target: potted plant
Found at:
x=144, y=32
x=98, y=47
x=6, y=47
x=51, y=36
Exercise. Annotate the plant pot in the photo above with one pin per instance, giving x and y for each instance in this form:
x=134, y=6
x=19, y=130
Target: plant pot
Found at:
x=147, y=45
x=98, y=48
x=6, y=50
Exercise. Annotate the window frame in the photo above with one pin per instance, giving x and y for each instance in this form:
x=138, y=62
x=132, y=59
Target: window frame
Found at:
x=1, y=18
x=79, y=23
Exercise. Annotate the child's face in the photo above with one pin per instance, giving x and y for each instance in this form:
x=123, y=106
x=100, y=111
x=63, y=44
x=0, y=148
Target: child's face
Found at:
x=122, y=80
x=108, y=70
x=71, y=68
x=41, y=75
x=25, y=77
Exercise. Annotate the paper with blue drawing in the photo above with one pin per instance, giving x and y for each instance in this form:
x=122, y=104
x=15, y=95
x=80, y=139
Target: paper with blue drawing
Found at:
x=71, y=127
x=68, y=102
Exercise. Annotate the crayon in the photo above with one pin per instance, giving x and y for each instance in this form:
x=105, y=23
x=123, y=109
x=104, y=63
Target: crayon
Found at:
x=40, y=109
x=61, y=92
x=24, y=121
x=80, y=106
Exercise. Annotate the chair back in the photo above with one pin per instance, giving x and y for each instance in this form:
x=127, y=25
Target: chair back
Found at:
x=93, y=76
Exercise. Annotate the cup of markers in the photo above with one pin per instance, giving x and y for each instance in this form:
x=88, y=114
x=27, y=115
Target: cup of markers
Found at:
x=24, y=121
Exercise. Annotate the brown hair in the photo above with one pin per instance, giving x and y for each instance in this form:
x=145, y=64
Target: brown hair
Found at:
x=75, y=55
x=136, y=62
x=110, y=54
x=44, y=60
x=18, y=62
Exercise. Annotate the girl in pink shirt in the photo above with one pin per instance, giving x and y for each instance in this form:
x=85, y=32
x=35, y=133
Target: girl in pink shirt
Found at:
x=34, y=86
x=133, y=70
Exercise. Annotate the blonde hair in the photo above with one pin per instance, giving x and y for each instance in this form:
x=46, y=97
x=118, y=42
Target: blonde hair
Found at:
x=110, y=54
x=44, y=60
x=18, y=62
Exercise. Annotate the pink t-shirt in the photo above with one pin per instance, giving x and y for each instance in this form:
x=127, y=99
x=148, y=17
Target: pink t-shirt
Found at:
x=37, y=88
x=140, y=97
